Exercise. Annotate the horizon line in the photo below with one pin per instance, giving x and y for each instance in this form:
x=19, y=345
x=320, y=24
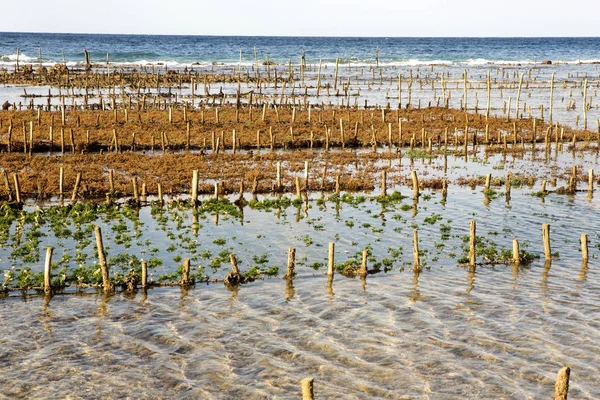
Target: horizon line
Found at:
x=301, y=36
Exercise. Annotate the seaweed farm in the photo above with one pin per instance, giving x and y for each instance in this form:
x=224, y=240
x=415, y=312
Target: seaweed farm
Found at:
x=156, y=242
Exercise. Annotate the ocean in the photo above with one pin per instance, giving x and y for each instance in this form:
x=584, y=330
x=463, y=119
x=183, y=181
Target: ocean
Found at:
x=187, y=50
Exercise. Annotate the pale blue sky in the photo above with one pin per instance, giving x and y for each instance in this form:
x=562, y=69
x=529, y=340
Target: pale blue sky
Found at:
x=307, y=17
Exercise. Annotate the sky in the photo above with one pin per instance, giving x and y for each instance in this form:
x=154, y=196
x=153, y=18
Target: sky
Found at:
x=307, y=17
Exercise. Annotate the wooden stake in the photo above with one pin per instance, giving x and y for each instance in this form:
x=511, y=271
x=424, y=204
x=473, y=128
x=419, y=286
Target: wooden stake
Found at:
x=291, y=263
x=488, y=178
x=331, y=260
x=136, y=196
x=17, y=188
x=144, y=273
x=363, y=271
x=48, y=271
x=561, y=388
x=472, y=243
x=551, y=96
x=307, y=388
x=415, y=181
x=185, y=272
x=416, y=258
x=61, y=180
x=278, y=181
x=77, y=182
x=584, y=247
x=516, y=252
x=194, y=187
x=546, y=239
x=106, y=284
x=234, y=266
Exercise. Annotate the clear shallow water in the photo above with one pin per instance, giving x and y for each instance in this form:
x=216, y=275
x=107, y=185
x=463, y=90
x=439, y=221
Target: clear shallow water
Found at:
x=494, y=332
x=497, y=333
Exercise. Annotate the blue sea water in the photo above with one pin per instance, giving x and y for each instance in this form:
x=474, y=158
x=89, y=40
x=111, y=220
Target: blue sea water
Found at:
x=186, y=50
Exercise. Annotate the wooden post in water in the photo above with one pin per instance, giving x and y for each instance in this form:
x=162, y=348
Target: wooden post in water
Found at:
x=160, y=193
x=551, y=95
x=516, y=252
x=61, y=180
x=234, y=266
x=17, y=188
x=416, y=259
x=77, y=182
x=319, y=78
x=561, y=388
x=488, y=179
x=415, y=182
x=584, y=247
x=278, y=181
x=291, y=263
x=590, y=180
x=363, y=271
x=185, y=272
x=144, y=273
x=136, y=196
x=194, y=187
x=546, y=239
x=331, y=259
x=472, y=243
x=48, y=271
x=383, y=183
x=307, y=388
x=106, y=284
x=298, y=188
x=111, y=179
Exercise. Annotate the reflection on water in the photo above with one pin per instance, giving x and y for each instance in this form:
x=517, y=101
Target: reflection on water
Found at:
x=410, y=335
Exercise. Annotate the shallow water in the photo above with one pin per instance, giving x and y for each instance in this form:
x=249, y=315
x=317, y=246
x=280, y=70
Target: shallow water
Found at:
x=496, y=331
